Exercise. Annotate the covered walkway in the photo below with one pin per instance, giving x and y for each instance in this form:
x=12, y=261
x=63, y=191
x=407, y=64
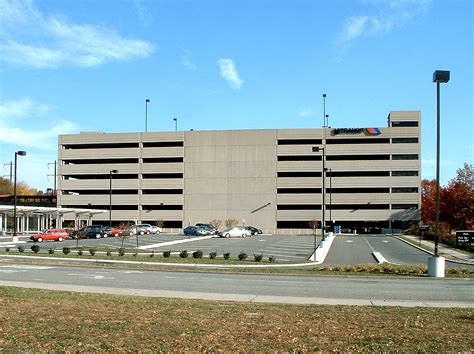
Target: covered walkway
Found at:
x=35, y=219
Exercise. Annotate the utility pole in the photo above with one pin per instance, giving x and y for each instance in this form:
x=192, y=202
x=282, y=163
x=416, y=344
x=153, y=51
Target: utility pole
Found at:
x=55, y=163
x=11, y=171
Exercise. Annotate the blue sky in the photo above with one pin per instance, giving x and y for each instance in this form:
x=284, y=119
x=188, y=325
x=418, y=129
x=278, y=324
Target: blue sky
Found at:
x=71, y=66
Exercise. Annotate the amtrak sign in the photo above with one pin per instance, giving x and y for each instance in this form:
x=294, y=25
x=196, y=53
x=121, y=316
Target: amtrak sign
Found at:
x=352, y=131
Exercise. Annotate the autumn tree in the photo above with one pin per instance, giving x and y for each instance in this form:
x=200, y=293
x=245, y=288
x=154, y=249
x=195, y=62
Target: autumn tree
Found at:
x=6, y=187
x=458, y=200
x=428, y=200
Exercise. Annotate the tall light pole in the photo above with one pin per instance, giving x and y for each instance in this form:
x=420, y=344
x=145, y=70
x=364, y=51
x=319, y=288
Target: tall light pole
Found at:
x=330, y=194
x=20, y=153
x=437, y=267
x=317, y=149
x=175, y=124
x=111, y=172
x=324, y=110
x=146, y=114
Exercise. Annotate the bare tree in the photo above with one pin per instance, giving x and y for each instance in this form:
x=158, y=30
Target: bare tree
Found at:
x=231, y=223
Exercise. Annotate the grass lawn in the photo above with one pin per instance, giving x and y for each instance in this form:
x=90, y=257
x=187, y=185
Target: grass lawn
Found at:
x=38, y=320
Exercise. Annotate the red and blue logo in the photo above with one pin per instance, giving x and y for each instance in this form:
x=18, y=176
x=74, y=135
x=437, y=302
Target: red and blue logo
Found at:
x=373, y=131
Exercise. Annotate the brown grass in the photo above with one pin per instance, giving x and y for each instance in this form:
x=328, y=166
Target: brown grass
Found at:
x=38, y=320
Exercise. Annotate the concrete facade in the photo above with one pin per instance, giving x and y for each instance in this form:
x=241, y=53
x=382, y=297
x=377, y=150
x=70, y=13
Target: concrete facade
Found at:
x=269, y=178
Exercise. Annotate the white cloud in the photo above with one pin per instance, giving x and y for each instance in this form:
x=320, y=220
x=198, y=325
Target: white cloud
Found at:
x=28, y=111
x=59, y=42
x=305, y=112
x=229, y=73
x=186, y=60
x=389, y=14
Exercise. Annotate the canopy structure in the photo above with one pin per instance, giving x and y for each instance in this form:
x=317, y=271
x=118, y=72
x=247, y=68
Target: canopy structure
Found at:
x=33, y=219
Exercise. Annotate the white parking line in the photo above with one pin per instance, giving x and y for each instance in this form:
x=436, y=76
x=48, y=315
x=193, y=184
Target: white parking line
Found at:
x=156, y=245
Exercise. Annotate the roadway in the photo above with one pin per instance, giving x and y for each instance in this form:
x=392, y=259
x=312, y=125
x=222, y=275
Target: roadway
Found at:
x=345, y=250
x=378, y=291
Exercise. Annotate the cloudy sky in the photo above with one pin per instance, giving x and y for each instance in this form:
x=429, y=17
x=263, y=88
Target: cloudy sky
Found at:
x=71, y=66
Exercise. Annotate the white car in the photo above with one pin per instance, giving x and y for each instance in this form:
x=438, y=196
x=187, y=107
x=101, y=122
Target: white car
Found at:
x=147, y=229
x=236, y=231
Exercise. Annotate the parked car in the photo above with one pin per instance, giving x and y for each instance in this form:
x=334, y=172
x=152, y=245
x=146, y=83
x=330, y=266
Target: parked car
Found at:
x=196, y=231
x=143, y=229
x=52, y=234
x=236, y=231
x=253, y=230
x=90, y=231
x=112, y=231
x=209, y=227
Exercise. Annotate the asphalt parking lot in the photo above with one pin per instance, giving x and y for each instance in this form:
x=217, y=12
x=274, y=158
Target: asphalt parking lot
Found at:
x=282, y=247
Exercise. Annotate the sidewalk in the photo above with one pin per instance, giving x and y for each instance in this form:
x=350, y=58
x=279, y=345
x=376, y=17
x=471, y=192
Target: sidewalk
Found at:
x=450, y=254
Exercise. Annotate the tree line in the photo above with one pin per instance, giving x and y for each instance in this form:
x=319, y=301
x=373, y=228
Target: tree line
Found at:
x=456, y=211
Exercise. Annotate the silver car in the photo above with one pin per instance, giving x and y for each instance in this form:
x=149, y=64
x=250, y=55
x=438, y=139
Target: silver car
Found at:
x=236, y=231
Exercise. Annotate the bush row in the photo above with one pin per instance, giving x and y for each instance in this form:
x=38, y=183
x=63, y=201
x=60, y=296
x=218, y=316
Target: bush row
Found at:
x=121, y=252
x=392, y=269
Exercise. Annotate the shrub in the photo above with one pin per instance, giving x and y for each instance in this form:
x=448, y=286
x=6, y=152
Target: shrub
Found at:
x=242, y=255
x=121, y=251
x=79, y=252
x=7, y=249
x=197, y=254
x=92, y=251
x=184, y=254
x=226, y=255
x=135, y=254
x=109, y=252
x=212, y=255
x=272, y=259
x=152, y=254
x=231, y=223
x=21, y=249
x=51, y=251
x=258, y=257
x=35, y=248
x=166, y=254
x=66, y=250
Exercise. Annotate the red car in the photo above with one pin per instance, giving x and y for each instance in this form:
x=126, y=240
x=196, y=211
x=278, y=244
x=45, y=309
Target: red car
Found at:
x=50, y=235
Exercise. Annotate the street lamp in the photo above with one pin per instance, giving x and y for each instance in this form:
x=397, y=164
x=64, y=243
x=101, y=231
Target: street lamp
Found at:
x=175, y=124
x=146, y=114
x=21, y=153
x=111, y=172
x=437, y=265
x=330, y=194
x=323, y=191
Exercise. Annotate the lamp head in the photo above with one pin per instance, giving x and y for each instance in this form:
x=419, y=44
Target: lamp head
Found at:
x=114, y=171
x=324, y=95
x=441, y=76
x=317, y=148
x=21, y=153
x=147, y=100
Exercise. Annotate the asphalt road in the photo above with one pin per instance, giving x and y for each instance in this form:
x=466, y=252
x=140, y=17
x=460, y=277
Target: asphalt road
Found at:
x=358, y=249
x=237, y=287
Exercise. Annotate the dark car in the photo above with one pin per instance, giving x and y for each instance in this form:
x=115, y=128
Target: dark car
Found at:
x=90, y=231
x=254, y=230
x=196, y=231
x=212, y=230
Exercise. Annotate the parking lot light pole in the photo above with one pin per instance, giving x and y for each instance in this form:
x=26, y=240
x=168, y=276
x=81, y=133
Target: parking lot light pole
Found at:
x=175, y=124
x=436, y=265
x=21, y=153
x=146, y=114
x=111, y=172
x=317, y=149
x=330, y=194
